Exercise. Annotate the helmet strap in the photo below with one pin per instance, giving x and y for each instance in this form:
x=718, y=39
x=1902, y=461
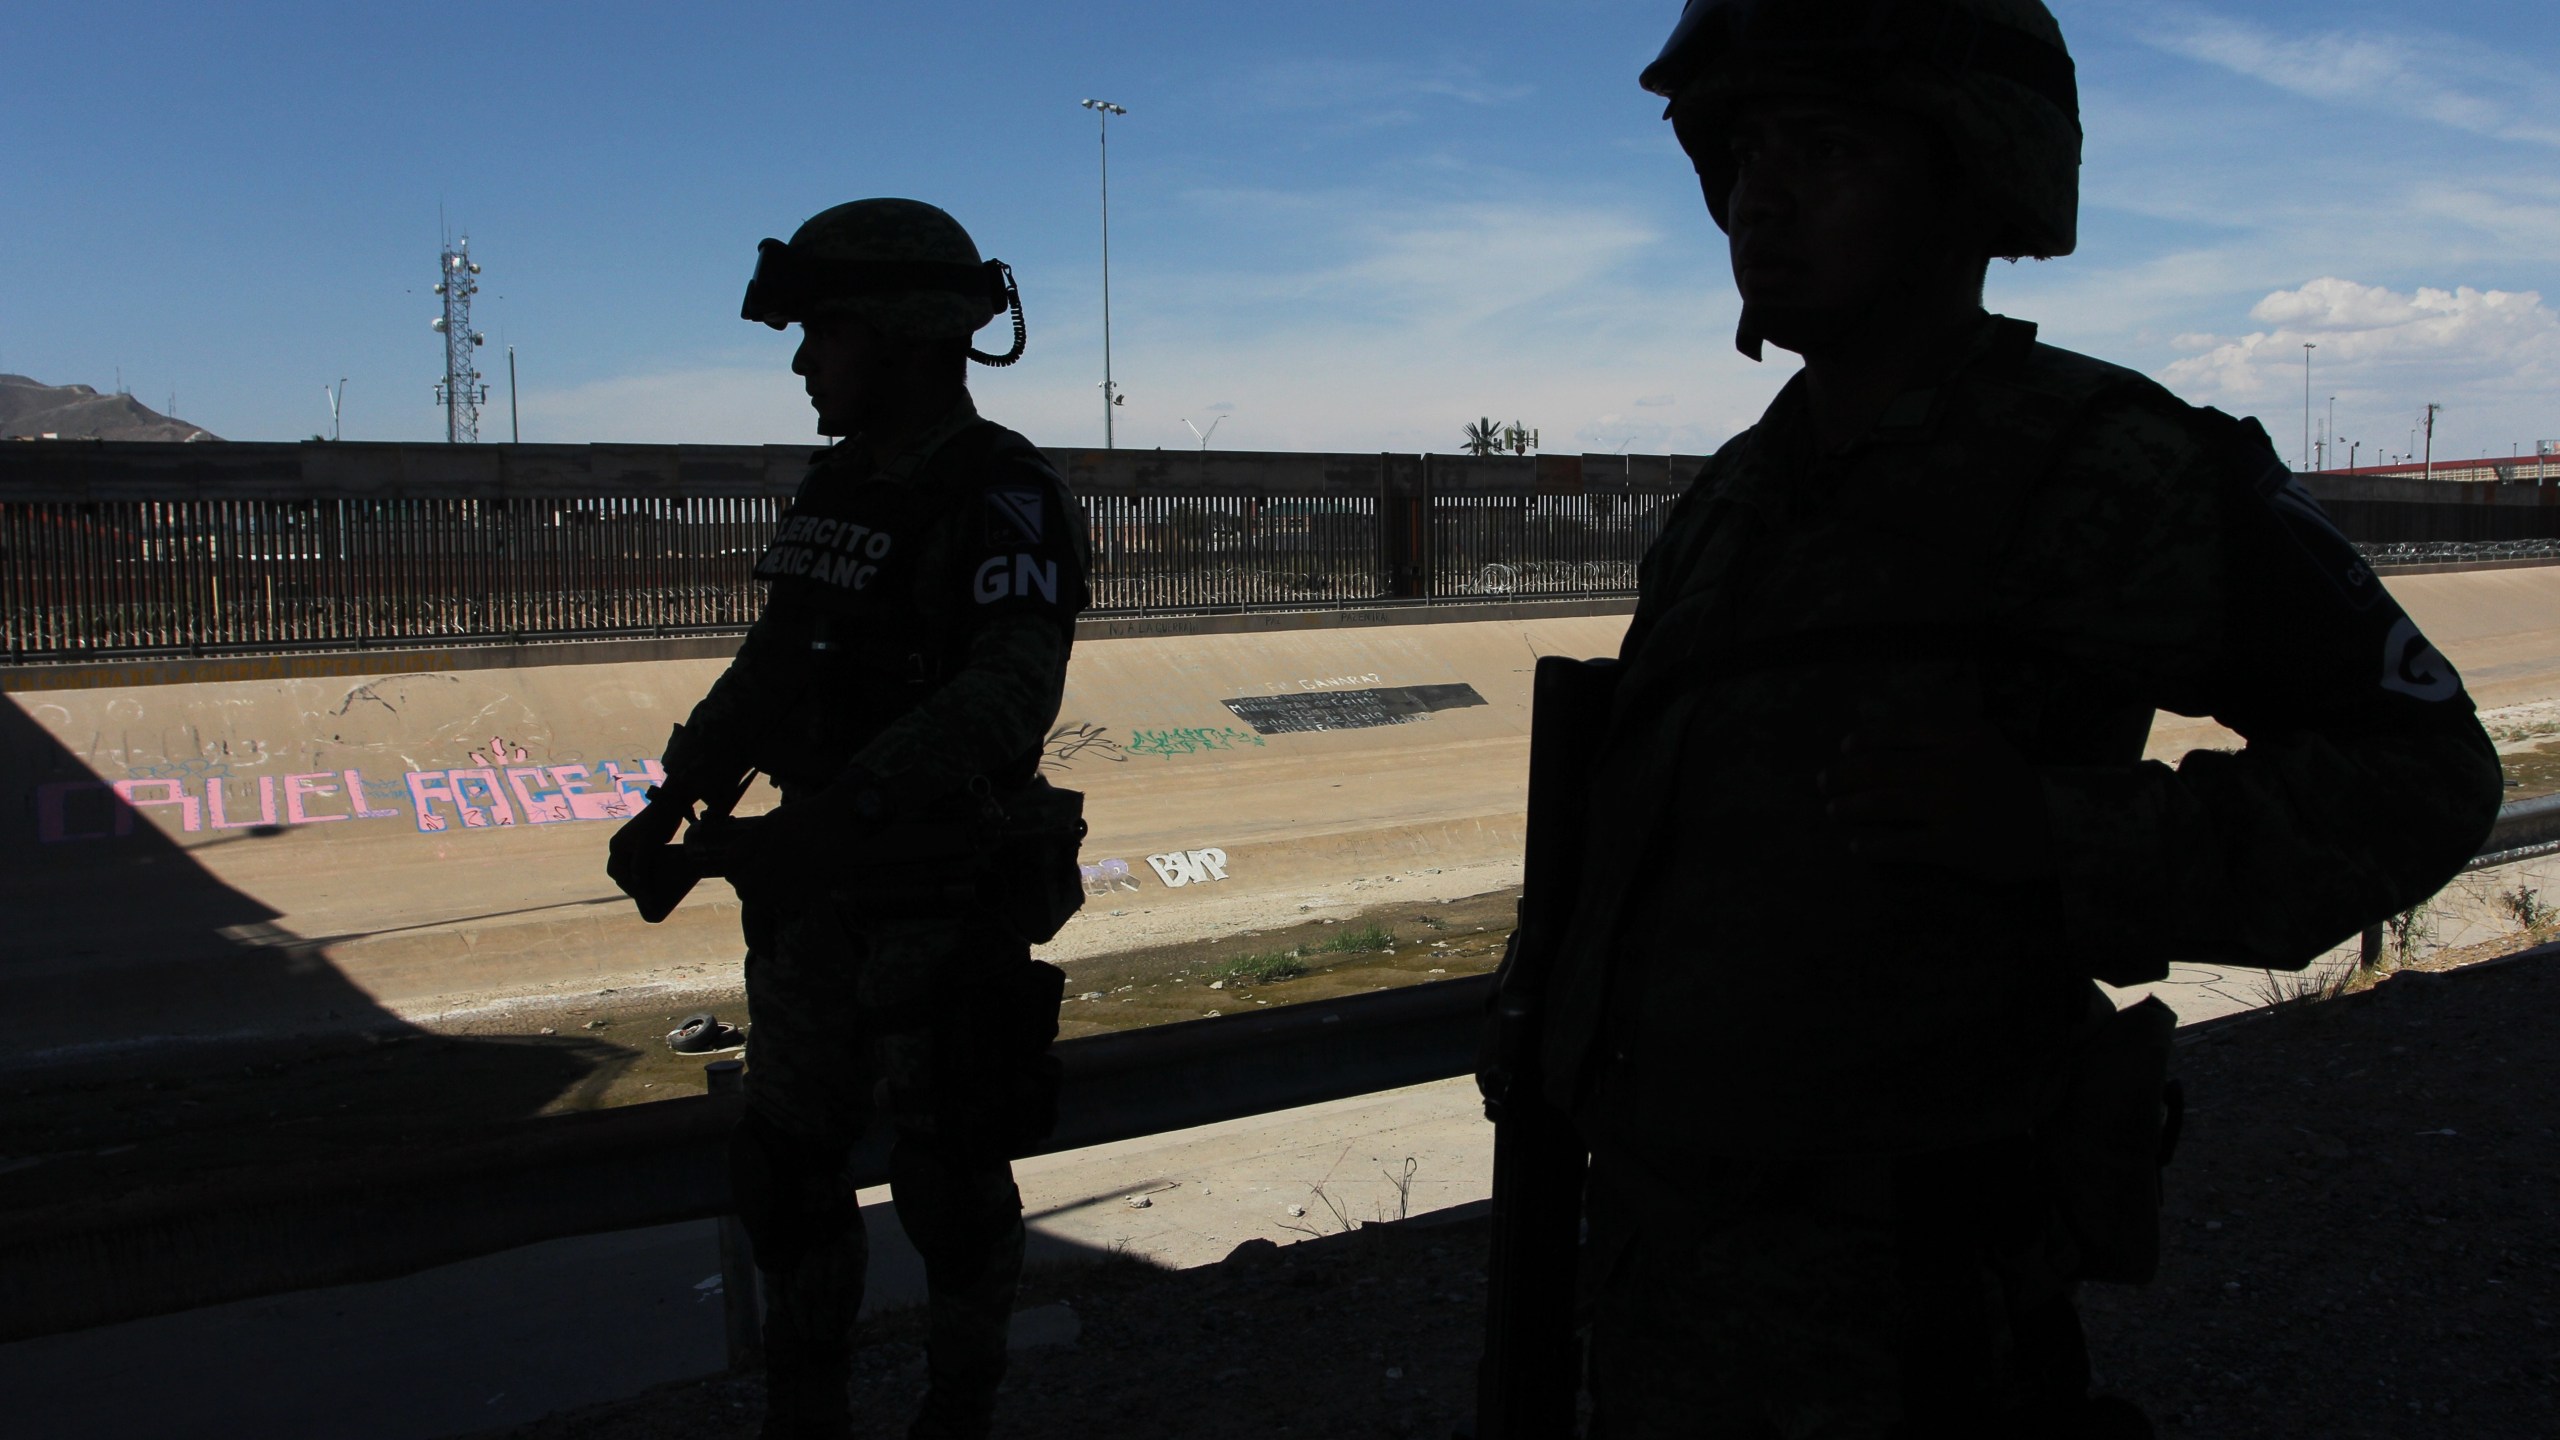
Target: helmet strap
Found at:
x=1013, y=303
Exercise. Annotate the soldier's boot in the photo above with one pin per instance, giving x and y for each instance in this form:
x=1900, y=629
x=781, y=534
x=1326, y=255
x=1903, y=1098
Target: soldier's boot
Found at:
x=965, y=1217
x=808, y=1340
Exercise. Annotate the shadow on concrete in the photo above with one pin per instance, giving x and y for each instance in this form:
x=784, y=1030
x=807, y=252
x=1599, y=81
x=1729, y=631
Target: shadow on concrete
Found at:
x=165, y=1027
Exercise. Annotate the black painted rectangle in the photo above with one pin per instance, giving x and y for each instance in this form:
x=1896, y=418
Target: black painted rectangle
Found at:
x=1349, y=709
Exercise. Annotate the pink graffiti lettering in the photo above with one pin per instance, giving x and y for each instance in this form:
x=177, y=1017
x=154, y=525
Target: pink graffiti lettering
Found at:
x=168, y=792
x=213, y=804
x=497, y=812
x=541, y=807
x=425, y=788
x=299, y=787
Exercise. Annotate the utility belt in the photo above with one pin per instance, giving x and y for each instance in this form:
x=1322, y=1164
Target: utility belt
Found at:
x=1007, y=860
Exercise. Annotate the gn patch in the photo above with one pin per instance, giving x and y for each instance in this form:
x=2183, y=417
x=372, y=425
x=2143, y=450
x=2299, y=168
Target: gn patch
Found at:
x=1005, y=577
x=1016, y=517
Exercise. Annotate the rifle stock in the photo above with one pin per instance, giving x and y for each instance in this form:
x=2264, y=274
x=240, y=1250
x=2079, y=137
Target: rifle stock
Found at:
x=1531, y=1373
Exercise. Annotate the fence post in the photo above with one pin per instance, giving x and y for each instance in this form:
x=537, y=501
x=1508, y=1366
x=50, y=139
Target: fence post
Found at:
x=740, y=1304
x=1426, y=525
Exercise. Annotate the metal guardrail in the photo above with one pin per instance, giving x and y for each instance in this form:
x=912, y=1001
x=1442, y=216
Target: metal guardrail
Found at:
x=664, y=1162
x=84, y=1265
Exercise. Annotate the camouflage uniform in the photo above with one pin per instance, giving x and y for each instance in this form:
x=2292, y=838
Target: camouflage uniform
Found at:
x=1798, y=1070
x=921, y=613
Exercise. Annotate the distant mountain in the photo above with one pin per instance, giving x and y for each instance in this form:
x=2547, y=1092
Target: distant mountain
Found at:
x=76, y=412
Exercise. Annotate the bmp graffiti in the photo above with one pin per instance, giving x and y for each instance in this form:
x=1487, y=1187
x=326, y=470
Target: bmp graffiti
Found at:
x=470, y=798
x=1190, y=741
x=1189, y=867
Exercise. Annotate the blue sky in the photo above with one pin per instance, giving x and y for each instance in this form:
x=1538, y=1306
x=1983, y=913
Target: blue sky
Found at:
x=1337, y=226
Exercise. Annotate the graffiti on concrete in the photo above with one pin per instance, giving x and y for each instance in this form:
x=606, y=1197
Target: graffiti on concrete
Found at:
x=474, y=797
x=1189, y=867
x=1340, y=682
x=499, y=753
x=1103, y=877
x=1190, y=741
x=1349, y=709
x=486, y=796
x=1080, y=740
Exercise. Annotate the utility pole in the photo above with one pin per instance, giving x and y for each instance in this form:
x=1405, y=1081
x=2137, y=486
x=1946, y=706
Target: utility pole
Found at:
x=460, y=392
x=2307, y=348
x=337, y=398
x=2429, y=473
x=1103, y=110
x=515, y=429
x=2329, y=428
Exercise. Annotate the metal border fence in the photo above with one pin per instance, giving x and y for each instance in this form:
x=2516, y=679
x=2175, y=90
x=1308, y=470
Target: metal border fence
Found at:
x=131, y=549
x=114, y=549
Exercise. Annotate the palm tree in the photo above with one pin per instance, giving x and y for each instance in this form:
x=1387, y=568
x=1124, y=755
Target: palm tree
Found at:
x=1484, y=438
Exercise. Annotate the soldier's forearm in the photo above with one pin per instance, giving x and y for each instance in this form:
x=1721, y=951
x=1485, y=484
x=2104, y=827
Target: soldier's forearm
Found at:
x=2270, y=856
x=1000, y=704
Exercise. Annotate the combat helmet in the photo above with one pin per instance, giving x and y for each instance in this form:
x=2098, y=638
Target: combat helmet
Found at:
x=1992, y=76
x=902, y=266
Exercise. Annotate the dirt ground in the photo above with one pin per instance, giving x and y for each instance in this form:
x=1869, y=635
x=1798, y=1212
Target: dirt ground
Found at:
x=2362, y=1239
x=107, y=1134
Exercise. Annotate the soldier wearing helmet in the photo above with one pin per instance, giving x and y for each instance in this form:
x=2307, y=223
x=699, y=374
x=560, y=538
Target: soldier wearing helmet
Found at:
x=923, y=589
x=1870, y=814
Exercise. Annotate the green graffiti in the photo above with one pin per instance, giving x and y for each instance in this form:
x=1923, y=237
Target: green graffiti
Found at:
x=1190, y=741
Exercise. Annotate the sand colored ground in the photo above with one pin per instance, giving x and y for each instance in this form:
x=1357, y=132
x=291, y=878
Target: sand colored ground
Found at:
x=272, y=915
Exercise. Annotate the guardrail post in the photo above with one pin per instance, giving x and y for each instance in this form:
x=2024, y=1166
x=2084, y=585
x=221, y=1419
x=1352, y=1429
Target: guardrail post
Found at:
x=741, y=1306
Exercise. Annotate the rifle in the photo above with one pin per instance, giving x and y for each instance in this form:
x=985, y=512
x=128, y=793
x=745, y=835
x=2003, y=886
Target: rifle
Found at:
x=658, y=875
x=1531, y=1372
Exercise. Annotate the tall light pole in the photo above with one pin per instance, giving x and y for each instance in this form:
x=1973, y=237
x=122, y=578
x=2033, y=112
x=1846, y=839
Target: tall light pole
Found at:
x=1103, y=110
x=2307, y=348
x=2329, y=429
x=2429, y=472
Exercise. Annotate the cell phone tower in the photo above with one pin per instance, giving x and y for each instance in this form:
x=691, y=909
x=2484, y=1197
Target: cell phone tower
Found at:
x=460, y=391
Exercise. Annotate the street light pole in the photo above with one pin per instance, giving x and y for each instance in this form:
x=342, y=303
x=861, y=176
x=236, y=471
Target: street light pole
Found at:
x=1103, y=110
x=2307, y=348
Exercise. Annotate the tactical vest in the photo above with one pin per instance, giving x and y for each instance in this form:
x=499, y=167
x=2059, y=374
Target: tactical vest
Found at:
x=870, y=588
x=1706, y=993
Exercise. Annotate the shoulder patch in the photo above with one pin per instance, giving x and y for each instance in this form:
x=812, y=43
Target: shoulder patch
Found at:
x=1016, y=516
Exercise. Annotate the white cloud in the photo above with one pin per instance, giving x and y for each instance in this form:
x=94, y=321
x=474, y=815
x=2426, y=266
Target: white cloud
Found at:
x=2494, y=353
x=2430, y=76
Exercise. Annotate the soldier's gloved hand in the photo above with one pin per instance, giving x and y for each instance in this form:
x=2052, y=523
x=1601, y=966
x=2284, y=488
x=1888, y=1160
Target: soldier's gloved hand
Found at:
x=655, y=825
x=1960, y=797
